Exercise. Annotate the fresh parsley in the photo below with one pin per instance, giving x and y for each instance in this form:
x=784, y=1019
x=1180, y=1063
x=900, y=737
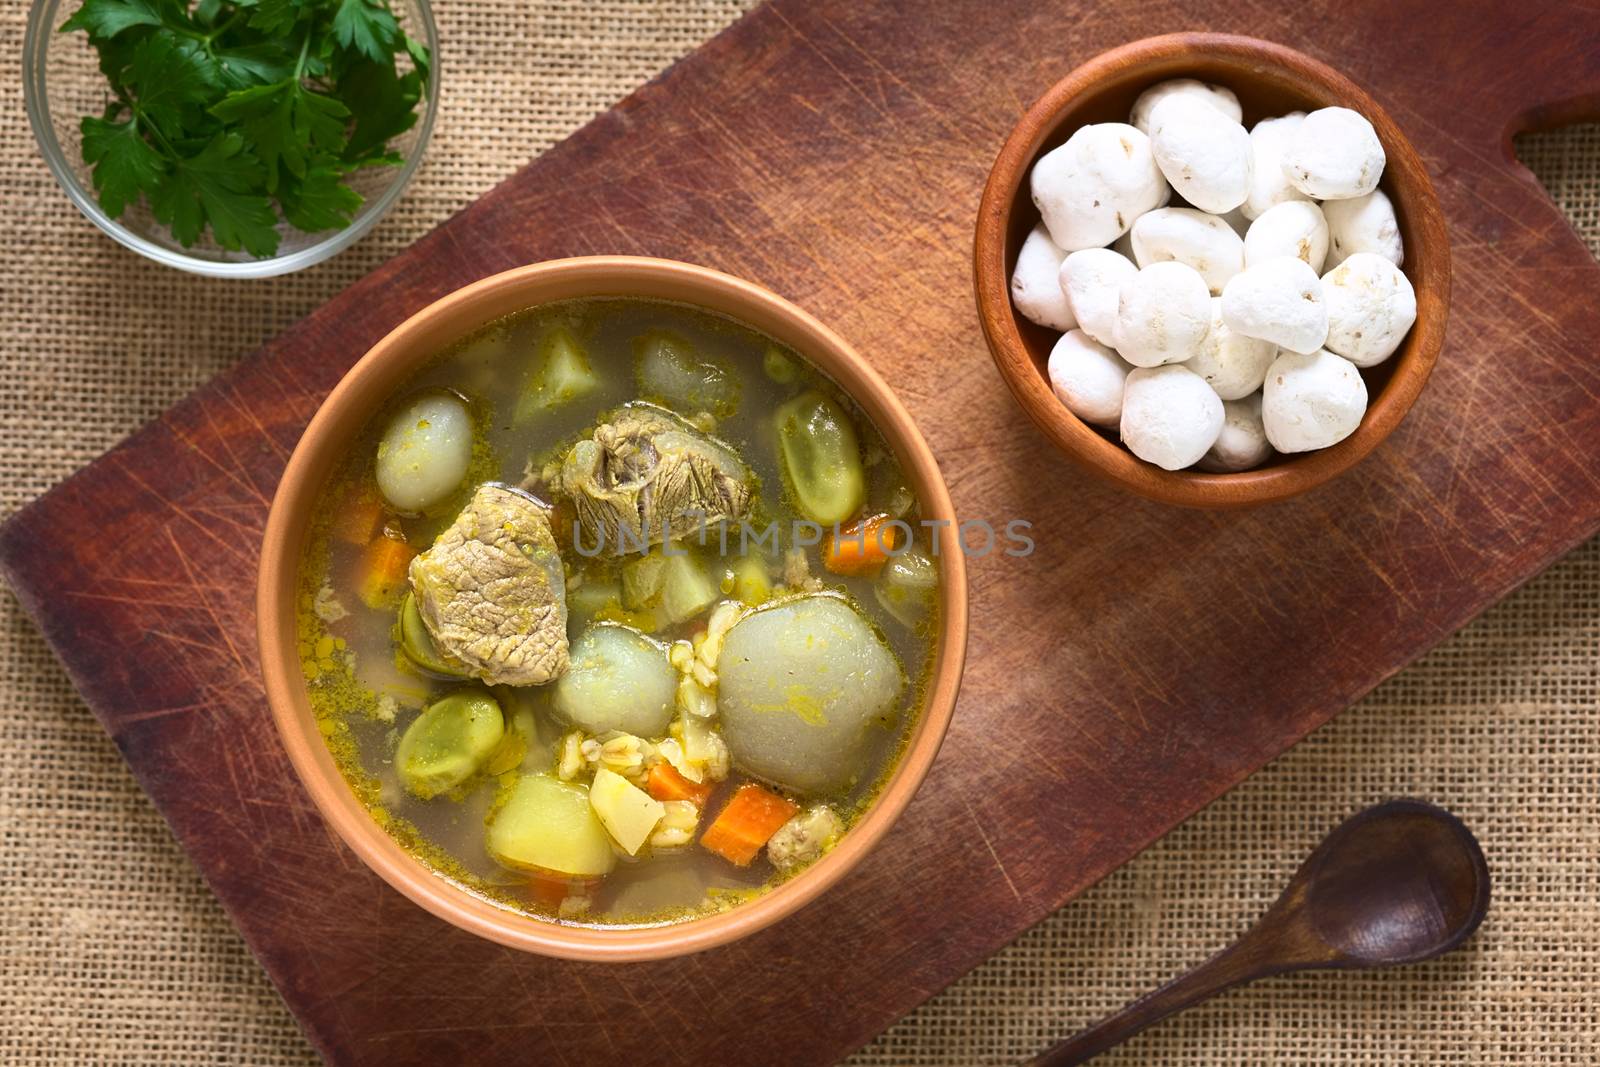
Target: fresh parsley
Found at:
x=230, y=115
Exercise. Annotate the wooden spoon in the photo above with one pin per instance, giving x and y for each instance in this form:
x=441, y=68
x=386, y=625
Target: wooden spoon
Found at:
x=1399, y=882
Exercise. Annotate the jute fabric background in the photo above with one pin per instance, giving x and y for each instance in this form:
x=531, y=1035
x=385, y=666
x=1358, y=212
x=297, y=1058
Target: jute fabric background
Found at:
x=112, y=950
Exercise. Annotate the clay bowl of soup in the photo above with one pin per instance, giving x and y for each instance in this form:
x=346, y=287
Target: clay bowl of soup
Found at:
x=610, y=608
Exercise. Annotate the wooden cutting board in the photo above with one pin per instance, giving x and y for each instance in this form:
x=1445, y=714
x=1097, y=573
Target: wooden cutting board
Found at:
x=1140, y=663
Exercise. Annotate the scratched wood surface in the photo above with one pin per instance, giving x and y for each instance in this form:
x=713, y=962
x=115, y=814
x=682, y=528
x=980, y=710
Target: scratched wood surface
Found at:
x=1142, y=661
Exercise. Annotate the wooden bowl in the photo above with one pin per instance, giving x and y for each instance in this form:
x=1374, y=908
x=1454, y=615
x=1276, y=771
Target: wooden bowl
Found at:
x=1269, y=80
x=338, y=423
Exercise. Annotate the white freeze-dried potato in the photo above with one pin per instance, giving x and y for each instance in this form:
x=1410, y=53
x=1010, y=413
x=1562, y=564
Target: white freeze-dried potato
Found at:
x=1311, y=401
x=1087, y=377
x=1279, y=300
x=1092, y=279
x=1036, y=283
x=1295, y=228
x=1090, y=189
x=1169, y=416
x=1231, y=363
x=1233, y=324
x=1269, y=185
x=1163, y=315
x=1202, y=152
x=1363, y=224
x=1243, y=443
x=1218, y=96
x=1333, y=154
x=1371, y=307
x=1181, y=234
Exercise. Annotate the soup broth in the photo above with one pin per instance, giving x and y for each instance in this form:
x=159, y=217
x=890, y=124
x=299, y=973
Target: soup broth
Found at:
x=619, y=613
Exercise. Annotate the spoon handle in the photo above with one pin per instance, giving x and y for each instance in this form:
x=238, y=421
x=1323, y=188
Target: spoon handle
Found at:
x=1238, y=963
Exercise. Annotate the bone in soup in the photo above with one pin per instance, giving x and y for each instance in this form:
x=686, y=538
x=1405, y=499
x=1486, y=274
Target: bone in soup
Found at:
x=619, y=613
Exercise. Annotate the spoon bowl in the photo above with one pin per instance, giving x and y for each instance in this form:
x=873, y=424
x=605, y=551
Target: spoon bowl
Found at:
x=1400, y=882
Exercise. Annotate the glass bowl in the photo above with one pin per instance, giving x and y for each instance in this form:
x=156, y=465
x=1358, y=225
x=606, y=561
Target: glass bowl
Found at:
x=62, y=83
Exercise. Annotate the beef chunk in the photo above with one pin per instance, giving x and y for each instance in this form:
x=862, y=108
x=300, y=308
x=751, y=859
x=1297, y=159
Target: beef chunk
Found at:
x=491, y=590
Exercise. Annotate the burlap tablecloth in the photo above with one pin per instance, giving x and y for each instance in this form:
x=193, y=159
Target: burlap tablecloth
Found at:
x=112, y=950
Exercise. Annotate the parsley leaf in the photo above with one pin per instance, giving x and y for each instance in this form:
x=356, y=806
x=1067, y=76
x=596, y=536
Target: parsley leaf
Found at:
x=419, y=56
x=215, y=187
x=320, y=200
x=285, y=121
x=125, y=166
x=104, y=19
x=274, y=17
x=254, y=64
x=171, y=76
x=389, y=106
x=368, y=29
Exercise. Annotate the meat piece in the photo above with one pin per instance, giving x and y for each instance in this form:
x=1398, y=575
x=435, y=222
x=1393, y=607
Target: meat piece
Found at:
x=491, y=590
x=804, y=838
x=645, y=474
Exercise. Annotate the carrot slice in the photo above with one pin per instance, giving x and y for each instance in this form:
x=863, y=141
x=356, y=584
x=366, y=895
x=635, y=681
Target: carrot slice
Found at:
x=746, y=823
x=383, y=571
x=358, y=521
x=666, y=783
x=551, y=888
x=861, y=548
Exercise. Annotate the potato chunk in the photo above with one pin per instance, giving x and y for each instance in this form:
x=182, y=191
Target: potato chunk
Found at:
x=627, y=812
x=549, y=825
x=671, y=371
x=799, y=683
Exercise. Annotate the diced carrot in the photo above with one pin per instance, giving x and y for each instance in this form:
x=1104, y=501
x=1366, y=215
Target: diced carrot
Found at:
x=746, y=823
x=551, y=888
x=861, y=548
x=358, y=521
x=383, y=571
x=666, y=783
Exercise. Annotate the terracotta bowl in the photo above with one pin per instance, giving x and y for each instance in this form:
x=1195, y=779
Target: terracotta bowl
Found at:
x=1269, y=80
x=375, y=379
